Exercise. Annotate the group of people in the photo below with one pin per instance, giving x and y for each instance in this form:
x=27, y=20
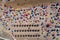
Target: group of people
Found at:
x=41, y=13
x=46, y=15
